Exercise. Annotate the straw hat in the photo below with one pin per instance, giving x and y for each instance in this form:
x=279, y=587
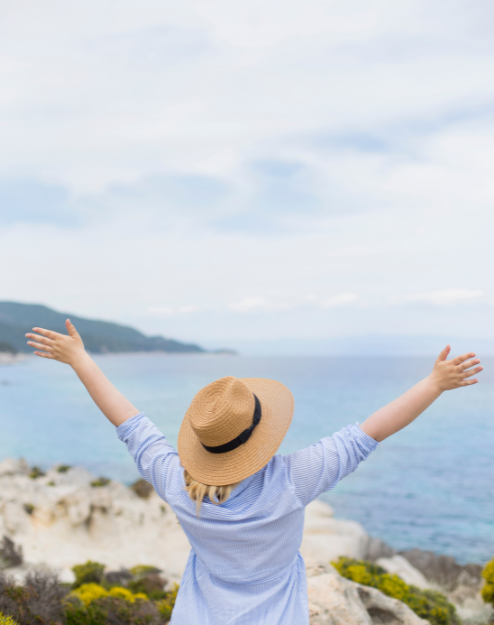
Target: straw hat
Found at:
x=232, y=429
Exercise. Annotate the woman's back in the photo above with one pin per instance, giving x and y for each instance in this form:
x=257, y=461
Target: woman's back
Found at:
x=251, y=541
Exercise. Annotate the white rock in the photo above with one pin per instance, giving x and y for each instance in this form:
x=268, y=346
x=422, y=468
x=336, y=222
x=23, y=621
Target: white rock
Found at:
x=384, y=610
x=66, y=576
x=15, y=518
x=398, y=565
x=9, y=466
x=326, y=538
x=77, y=476
x=78, y=507
x=334, y=600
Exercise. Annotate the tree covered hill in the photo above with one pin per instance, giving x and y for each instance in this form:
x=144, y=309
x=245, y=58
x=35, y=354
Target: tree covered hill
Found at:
x=99, y=336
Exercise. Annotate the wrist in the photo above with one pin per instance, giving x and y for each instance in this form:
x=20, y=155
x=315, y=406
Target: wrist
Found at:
x=80, y=361
x=434, y=384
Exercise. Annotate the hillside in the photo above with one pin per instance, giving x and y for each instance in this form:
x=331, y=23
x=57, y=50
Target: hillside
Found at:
x=98, y=336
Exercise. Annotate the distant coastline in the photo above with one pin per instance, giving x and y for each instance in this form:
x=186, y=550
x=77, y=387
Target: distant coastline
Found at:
x=7, y=358
x=99, y=337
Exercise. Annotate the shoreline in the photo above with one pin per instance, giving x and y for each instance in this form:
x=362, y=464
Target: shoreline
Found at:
x=7, y=358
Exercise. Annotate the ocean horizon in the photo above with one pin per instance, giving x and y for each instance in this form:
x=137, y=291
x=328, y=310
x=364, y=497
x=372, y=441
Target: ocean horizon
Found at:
x=429, y=486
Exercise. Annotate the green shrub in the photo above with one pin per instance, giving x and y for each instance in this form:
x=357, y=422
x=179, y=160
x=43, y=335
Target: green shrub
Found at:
x=147, y=580
x=10, y=553
x=37, y=602
x=488, y=589
x=101, y=481
x=28, y=508
x=165, y=606
x=428, y=604
x=89, y=573
x=35, y=473
x=63, y=468
x=142, y=488
x=112, y=609
x=144, y=569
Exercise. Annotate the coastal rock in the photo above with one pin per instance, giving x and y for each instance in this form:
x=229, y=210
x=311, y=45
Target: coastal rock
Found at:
x=443, y=570
x=14, y=517
x=398, y=565
x=384, y=610
x=9, y=466
x=64, y=518
x=377, y=548
x=326, y=538
x=474, y=611
x=334, y=600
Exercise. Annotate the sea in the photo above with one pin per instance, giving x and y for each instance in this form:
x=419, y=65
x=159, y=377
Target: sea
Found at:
x=430, y=486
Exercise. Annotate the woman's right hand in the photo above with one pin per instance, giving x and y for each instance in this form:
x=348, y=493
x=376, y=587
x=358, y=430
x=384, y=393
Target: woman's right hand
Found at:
x=68, y=349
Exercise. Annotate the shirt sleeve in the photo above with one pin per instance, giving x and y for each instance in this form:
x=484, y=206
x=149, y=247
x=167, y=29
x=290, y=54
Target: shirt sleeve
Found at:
x=318, y=468
x=157, y=461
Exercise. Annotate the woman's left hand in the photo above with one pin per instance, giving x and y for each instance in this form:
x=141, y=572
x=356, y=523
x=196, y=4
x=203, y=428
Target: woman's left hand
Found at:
x=454, y=373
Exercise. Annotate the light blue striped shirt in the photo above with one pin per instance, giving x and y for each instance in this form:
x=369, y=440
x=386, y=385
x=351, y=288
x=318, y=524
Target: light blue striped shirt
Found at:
x=244, y=567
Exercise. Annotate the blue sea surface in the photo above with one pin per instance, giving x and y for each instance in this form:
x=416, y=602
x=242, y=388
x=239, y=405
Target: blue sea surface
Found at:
x=430, y=486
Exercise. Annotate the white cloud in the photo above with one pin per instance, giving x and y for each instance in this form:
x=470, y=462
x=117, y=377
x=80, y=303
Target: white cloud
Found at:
x=160, y=310
x=256, y=303
x=445, y=297
x=168, y=310
x=341, y=299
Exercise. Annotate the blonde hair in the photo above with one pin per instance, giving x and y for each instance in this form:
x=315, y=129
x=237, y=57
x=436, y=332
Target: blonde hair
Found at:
x=197, y=491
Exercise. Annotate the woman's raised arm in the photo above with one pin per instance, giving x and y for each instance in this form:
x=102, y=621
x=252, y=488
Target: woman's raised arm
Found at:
x=446, y=375
x=70, y=350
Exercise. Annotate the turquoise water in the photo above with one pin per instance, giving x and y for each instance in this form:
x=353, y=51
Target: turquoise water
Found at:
x=430, y=486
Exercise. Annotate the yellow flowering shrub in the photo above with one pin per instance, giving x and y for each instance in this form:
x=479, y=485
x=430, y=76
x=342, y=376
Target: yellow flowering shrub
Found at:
x=488, y=589
x=7, y=620
x=165, y=606
x=88, y=593
x=125, y=593
x=428, y=604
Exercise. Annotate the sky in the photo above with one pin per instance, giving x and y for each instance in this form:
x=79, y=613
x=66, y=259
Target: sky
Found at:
x=258, y=170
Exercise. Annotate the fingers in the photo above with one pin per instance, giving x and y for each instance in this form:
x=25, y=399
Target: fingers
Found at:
x=468, y=374
x=468, y=382
x=40, y=339
x=444, y=354
x=45, y=348
x=459, y=359
x=71, y=328
x=45, y=355
x=48, y=333
x=468, y=364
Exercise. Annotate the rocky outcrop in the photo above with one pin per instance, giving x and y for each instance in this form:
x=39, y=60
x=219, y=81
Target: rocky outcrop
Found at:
x=443, y=570
x=398, y=565
x=62, y=518
x=334, y=600
x=326, y=538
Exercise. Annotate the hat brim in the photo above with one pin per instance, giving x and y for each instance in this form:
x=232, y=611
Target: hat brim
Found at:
x=233, y=466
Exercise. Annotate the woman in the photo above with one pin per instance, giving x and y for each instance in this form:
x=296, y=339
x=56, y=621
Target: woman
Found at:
x=242, y=506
